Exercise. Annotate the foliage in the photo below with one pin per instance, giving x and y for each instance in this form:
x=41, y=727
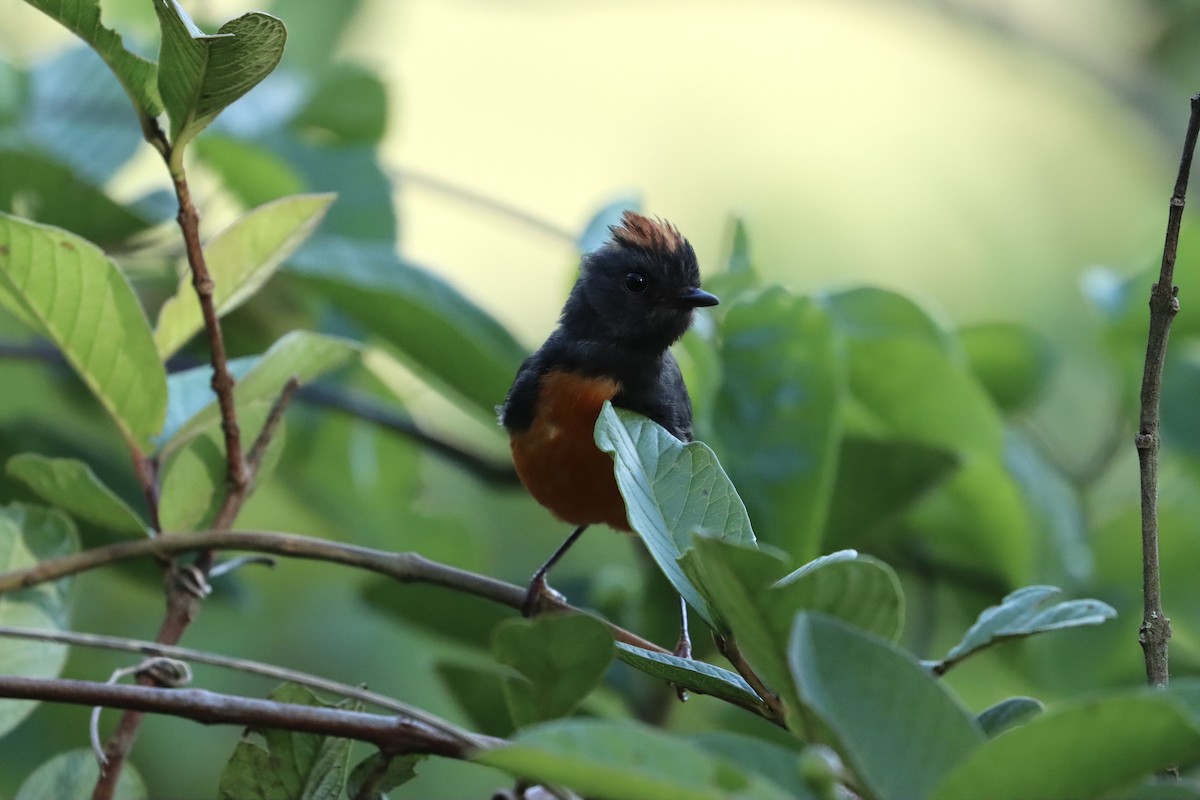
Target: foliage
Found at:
x=853, y=423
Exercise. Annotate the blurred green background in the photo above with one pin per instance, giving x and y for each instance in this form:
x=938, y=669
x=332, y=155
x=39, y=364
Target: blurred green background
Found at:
x=993, y=161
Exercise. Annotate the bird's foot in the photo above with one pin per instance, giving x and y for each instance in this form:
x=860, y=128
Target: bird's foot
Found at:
x=536, y=596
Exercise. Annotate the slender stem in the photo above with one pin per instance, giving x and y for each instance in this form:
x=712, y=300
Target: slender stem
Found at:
x=237, y=476
x=391, y=733
x=241, y=665
x=402, y=567
x=729, y=648
x=1155, y=632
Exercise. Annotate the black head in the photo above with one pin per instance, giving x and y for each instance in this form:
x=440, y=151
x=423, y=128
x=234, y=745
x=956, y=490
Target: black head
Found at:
x=639, y=289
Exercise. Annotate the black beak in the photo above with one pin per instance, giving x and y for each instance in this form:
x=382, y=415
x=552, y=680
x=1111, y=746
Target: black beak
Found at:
x=696, y=298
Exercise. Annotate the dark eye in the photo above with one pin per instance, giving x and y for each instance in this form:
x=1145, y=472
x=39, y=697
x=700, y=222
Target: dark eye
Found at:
x=635, y=282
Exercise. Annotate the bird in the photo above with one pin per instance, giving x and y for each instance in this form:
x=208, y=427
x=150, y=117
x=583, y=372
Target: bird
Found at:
x=635, y=296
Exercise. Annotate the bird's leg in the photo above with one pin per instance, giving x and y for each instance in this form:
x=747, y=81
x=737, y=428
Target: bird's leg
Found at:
x=683, y=648
x=537, y=584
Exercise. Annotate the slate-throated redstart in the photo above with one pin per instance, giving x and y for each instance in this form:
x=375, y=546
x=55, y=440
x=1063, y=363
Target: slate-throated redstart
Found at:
x=634, y=298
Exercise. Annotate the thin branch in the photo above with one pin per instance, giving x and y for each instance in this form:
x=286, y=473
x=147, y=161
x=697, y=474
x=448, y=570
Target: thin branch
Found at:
x=233, y=503
x=250, y=667
x=391, y=734
x=729, y=648
x=237, y=476
x=402, y=567
x=368, y=408
x=1155, y=632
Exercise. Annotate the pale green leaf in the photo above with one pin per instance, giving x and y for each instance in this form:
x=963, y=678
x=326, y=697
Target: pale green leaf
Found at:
x=672, y=491
x=29, y=535
x=1008, y=713
x=302, y=355
x=81, y=302
x=240, y=260
x=1088, y=749
x=898, y=728
x=624, y=760
x=1025, y=612
x=73, y=487
x=687, y=673
x=73, y=774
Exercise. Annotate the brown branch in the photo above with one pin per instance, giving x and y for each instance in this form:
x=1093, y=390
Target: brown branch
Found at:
x=233, y=502
x=402, y=567
x=390, y=733
x=1155, y=632
x=729, y=648
x=247, y=666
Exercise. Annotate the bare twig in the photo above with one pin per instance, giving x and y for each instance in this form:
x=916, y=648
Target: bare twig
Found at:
x=1155, y=633
x=391, y=734
x=250, y=667
x=403, y=567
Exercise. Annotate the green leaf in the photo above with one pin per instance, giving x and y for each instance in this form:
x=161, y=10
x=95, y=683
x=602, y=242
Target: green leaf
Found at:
x=687, y=673
x=349, y=104
x=777, y=764
x=560, y=660
x=479, y=693
x=672, y=491
x=252, y=173
x=734, y=580
x=195, y=470
x=877, y=481
x=912, y=390
x=437, y=329
x=1009, y=713
x=1024, y=613
x=136, y=74
x=299, y=766
x=622, y=760
x=200, y=75
x=74, y=774
x=73, y=295
x=1011, y=361
x=300, y=354
x=869, y=313
x=42, y=190
x=378, y=774
x=756, y=602
x=856, y=589
x=738, y=261
x=778, y=412
x=241, y=259
x=1087, y=749
x=29, y=535
x=899, y=729
x=73, y=487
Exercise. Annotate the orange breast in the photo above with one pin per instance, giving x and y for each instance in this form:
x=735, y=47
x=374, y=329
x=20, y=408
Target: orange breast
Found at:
x=557, y=457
